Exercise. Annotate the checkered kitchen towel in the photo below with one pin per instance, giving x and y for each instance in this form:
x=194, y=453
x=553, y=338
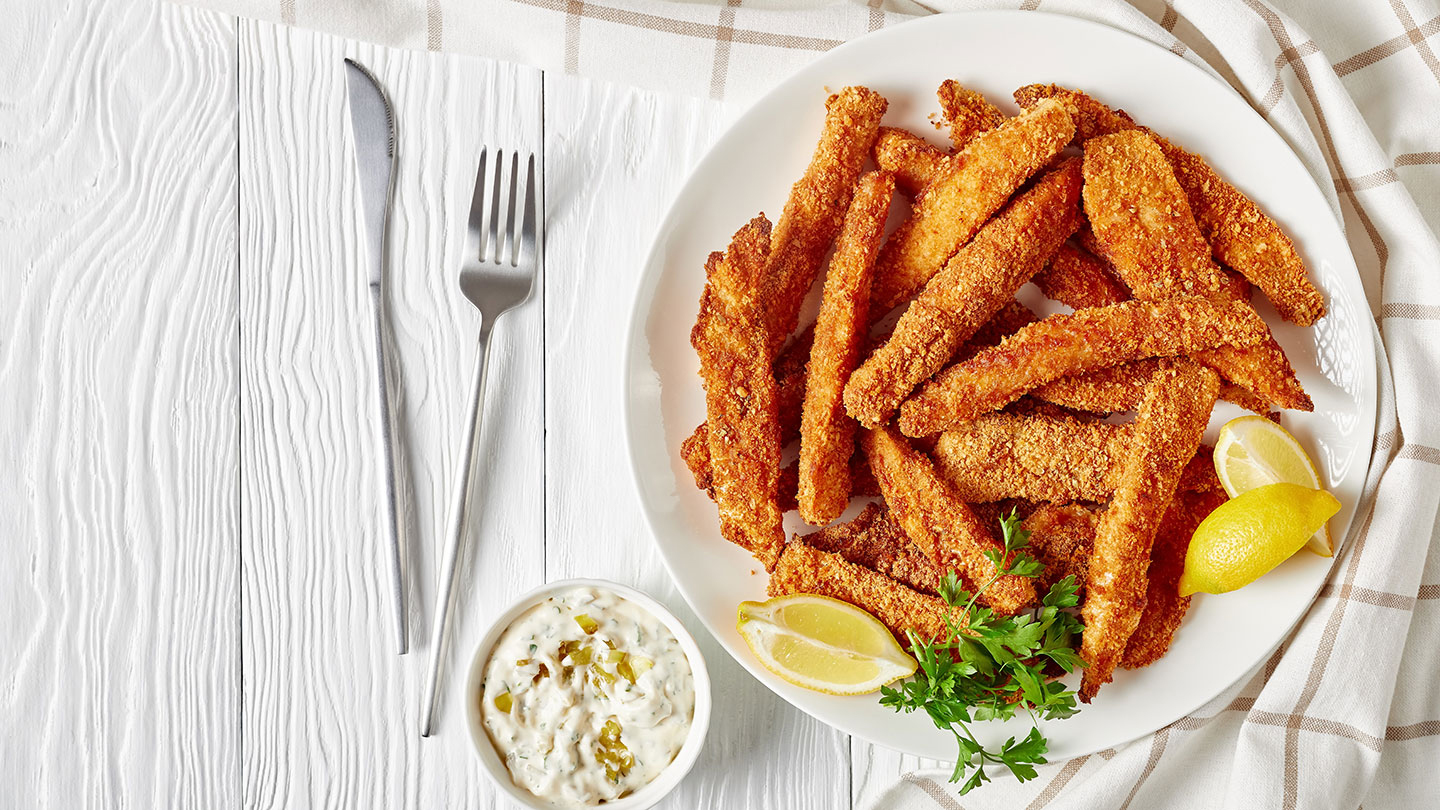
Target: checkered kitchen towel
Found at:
x=1347, y=712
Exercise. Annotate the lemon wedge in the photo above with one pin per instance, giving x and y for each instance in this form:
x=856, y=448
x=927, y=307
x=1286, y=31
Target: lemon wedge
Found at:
x=1253, y=451
x=822, y=644
x=1250, y=534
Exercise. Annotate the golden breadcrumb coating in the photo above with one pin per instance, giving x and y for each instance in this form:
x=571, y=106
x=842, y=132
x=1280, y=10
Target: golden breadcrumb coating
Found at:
x=1164, y=606
x=1142, y=219
x=1166, y=434
x=939, y=523
x=1079, y=279
x=874, y=540
x=981, y=178
x=1001, y=455
x=1243, y=237
x=1120, y=388
x=974, y=285
x=740, y=409
x=789, y=393
x=912, y=159
x=967, y=112
x=803, y=569
x=827, y=433
x=1062, y=539
x=1077, y=343
x=817, y=204
x=1240, y=234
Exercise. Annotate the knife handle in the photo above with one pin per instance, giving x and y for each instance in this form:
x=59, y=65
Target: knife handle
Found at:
x=387, y=453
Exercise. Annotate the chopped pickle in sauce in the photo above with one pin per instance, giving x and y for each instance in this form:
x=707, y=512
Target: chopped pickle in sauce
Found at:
x=563, y=682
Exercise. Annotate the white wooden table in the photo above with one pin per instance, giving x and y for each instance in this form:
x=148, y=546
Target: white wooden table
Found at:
x=193, y=596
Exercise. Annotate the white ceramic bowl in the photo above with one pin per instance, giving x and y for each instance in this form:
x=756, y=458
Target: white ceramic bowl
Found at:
x=643, y=798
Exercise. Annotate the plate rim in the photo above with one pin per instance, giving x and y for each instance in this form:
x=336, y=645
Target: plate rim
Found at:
x=635, y=341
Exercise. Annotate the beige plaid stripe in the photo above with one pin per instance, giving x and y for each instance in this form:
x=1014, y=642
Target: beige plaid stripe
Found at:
x=671, y=25
x=1414, y=36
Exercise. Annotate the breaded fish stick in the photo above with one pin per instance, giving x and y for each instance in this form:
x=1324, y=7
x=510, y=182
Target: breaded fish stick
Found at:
x=1243, y=237
x=802, y=569
x=974, y=285
x=1001, y=455
x=1141, y=217
x=1078, y=279
x=1092, y=118
x=1167, y=432
x=1078, y=343
x=817, y=204
x=874, y=540
x=1120, y=388
x=1239, y=233
x=789, y=393
x=967, y=111
x=938, y=522
x=981, y=178
x=1062, y=538
x=1165, y=608
x=1055, y=459
x=740, y=410
x=827, y=434
x=914, y=162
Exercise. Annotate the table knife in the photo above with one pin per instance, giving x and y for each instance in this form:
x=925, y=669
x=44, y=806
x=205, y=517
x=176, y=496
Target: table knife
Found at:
x=372, y=123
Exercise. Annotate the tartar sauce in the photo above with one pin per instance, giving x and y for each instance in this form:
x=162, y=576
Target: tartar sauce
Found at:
x=587, y=697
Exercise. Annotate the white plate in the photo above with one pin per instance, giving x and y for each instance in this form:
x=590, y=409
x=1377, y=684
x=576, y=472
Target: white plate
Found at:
x=751, y=168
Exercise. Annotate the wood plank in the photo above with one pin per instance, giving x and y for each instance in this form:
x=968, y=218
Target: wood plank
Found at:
x=616, y=156
x=331, y=713
x=117, y=343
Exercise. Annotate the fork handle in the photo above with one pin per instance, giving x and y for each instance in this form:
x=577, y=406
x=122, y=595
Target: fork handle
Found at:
x=460, y=503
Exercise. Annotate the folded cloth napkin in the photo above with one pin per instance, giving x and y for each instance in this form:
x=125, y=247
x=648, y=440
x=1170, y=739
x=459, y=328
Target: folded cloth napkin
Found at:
x=1347, y=711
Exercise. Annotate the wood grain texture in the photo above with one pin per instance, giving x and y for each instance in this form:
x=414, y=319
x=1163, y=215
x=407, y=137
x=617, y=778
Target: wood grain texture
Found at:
x=331, y=714
x=616, y=157
x=117, y=426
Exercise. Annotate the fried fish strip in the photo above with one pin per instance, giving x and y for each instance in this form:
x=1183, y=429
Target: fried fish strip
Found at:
x=827, y=433
x=1062, y=538
x=803, y=569
x=1078, y=279
x=1240, y=234
x=1092, y=118
x=816, y=208
x=1141, y=217
x=1055, y=459
x=974, y=285
x=1078, y=343
x=1167, y=432
x=1164, y=606
x=967, y=111
x=1243, y=237
x=914, y=162
x=939, y=523
x=874, y=540
x=981, y=178
x=740, y=409
x=1120, y=388
x=1001, y=455
x=789, y=393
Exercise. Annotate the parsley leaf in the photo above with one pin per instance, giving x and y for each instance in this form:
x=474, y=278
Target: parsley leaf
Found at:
x=987, y=667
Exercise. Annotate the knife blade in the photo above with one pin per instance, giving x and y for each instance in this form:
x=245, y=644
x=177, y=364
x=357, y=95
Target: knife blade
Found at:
x=372, y=123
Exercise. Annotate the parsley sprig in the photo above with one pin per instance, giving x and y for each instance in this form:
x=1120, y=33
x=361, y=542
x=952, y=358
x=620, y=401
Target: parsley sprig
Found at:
x=988, y=667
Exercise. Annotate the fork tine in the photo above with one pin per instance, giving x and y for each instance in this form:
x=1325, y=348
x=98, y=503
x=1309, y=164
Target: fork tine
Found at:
x=526, y=250
x=475, y=231
x=512, y=246
x=493, y=229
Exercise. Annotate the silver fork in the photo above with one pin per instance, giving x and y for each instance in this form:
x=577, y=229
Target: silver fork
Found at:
x=498, y=273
